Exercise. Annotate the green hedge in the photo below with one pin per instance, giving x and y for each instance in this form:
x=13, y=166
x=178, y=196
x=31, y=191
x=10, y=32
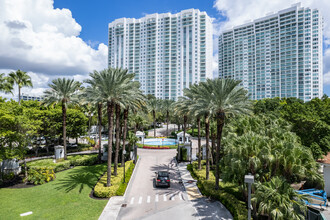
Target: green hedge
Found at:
x=228, y=194
x=117, y=186
x=73, y=160
x=83, y=160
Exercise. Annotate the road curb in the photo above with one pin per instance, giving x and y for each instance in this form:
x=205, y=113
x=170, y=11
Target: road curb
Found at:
x=132, y=176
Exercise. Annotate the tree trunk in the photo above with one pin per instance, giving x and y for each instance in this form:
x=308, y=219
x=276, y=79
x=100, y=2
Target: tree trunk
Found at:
x=89, y=125
x=154, y=115
x=199, y=143
x=207, y=133
x=167, y=115
x=124, y=136
x=220, y=123
x=184, y=128
x=64, y=127
x=99, y=111
x=110, y=138
x=117, y=139
x=19, y=95
x=213, y=137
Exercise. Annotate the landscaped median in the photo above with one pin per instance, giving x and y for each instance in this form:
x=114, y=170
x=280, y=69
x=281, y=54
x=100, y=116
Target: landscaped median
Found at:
x=228, y=194
x=117, y=187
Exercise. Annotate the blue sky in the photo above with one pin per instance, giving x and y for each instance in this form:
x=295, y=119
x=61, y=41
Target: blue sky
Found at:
x=94, y=16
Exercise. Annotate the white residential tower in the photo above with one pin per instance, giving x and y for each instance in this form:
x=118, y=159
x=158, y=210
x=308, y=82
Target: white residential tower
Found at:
x=167, y=52
x=279, y=55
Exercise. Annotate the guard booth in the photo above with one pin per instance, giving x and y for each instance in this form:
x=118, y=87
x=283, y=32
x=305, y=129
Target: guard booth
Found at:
x=180, y=138
x=184, y=152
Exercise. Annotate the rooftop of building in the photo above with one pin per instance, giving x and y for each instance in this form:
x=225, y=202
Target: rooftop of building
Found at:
x=159, y=15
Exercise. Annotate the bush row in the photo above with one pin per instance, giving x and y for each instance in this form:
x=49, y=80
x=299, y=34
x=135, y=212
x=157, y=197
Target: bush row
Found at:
x=117, y=187
x=227, y=194
x=40, y=175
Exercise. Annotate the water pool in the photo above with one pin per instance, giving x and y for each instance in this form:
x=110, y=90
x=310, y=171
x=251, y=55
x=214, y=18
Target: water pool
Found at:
x=159, y=141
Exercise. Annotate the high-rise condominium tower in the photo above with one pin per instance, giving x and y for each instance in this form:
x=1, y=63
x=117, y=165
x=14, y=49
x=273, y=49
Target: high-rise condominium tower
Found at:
x=167, y=52
x=279, y=55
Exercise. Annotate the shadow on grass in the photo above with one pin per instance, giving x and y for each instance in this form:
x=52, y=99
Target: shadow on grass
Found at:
x=80, y=177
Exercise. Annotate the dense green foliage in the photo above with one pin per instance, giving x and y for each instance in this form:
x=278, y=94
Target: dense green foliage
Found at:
x=310, y=120
x=102, y=191
x=22, y=124
x=228, y=194
x=67, y=197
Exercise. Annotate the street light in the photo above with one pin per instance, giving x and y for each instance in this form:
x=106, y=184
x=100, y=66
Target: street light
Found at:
x=249, y=179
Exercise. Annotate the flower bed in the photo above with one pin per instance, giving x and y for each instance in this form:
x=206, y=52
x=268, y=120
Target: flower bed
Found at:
x=152, y=147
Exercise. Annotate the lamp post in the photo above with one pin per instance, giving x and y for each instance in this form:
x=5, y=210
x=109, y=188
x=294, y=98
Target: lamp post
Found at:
x=249, y=179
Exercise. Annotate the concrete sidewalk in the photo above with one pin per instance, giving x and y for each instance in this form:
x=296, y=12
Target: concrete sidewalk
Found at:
x=205, y=208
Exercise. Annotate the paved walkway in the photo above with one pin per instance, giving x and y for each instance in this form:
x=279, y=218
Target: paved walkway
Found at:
x=206, y=208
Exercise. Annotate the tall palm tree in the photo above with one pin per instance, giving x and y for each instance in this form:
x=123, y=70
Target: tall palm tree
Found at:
x=90, y=98
x=5, y=86
x=21, y=79
x=223, y=97
x=62, y=91
x=153, y=106
x=200, y=109
x=112, y=86
x=132, y=103
x=167, y=106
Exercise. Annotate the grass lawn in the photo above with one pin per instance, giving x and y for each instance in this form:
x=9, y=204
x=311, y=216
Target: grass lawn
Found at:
x=67, y=197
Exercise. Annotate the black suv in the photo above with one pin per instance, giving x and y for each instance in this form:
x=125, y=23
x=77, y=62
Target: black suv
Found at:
x=163, y=179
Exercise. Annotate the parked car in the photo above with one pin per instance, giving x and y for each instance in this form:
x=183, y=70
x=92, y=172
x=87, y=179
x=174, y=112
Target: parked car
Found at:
x=163, y=178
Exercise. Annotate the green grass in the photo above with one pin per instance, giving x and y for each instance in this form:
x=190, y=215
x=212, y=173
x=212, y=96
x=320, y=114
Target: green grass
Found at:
x=67, y=197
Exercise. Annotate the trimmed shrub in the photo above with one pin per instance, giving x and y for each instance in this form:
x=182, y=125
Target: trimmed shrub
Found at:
x=102, y=191
x=83, y=160
x=184, y=154
x=40, y=175
x=122, y=188
x=48, y=163
x=228, y=194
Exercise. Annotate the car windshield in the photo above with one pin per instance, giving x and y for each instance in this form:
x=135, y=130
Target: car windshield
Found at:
x=163, y=174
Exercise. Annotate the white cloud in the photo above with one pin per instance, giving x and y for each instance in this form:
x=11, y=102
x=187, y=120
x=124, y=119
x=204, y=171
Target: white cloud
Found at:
x=45, y=41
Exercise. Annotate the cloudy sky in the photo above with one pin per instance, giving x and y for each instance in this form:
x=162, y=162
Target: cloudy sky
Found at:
x=68, y=38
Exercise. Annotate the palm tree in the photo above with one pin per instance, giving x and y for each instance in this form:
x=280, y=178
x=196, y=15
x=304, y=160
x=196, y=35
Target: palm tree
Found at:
x=223, y=97
x=62, y=91
x=167, y=106
x=153, y=106
x=21, y=79
x=90, y=98
x=5, y=86
x=279, y=200
x=133, y=103
x=112, y=86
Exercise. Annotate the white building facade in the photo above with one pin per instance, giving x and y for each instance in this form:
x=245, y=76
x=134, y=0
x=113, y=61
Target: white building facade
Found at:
x=167, y=52
x=280, y=55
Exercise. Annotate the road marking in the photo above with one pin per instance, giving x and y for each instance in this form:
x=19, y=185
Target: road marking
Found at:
x=180, y=195
x=132, y=200
x=156, y=199
x=172, y=197
x=140, y=200
x=165, y=199
x=148, y=199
